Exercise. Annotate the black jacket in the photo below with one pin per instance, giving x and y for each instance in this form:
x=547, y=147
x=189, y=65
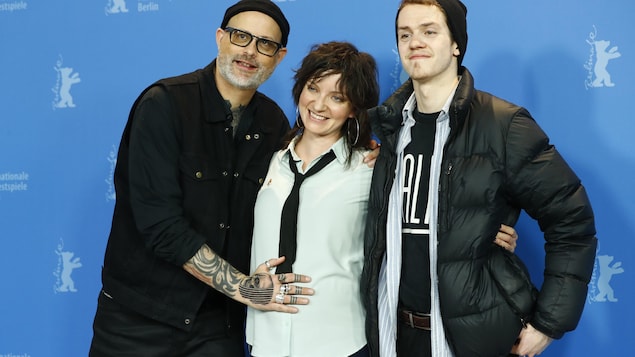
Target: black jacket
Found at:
x=182, y=181
x=496, y=162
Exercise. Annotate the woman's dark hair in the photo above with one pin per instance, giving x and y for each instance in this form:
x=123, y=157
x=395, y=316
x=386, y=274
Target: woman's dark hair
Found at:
x=358, y=82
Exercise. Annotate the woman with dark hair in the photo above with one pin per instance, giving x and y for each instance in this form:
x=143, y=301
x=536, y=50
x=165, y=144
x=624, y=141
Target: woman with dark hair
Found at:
x=334, y=87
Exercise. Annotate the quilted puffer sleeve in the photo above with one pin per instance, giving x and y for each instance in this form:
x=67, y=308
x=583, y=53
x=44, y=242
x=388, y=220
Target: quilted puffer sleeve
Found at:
x=543, y=184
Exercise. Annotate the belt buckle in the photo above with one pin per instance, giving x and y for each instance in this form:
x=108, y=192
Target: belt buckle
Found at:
x=411, y=320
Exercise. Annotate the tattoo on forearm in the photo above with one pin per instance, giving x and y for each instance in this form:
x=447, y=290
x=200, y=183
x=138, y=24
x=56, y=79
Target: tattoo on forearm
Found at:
x=207, y=266
x=258, y=289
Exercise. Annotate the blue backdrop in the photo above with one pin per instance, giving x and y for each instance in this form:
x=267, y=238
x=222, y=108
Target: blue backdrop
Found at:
x=72, y=68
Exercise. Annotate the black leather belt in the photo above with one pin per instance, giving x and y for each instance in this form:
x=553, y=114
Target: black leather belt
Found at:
x=415, y=319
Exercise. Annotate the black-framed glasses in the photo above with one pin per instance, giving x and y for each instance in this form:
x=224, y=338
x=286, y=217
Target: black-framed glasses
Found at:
x=243, y=38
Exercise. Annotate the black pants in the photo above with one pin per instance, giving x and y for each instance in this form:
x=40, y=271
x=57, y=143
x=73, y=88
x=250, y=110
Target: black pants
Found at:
x=413, y=342
x=118, y=331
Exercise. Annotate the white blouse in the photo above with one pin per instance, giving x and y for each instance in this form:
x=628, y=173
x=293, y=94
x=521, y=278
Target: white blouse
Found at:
x=330, y=249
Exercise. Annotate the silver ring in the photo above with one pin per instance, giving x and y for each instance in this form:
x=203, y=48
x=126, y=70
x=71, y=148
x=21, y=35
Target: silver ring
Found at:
x=280, y=298
x=267, y=264
x=284, y=289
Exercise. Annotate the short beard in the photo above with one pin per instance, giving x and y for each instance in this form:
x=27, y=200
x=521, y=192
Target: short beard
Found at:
x=225, y=67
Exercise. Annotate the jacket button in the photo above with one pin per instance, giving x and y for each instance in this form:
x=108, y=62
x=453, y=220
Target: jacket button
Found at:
x=222, y=225
x=225, y=173
x=261, y=180
x=187, y=321
x=247, y=137
x=198, y=174
x=236, y=174
x=256, y=136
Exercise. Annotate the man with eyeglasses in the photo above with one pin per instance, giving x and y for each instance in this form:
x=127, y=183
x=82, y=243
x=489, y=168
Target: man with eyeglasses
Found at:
x=191, y=160
x=241, y=38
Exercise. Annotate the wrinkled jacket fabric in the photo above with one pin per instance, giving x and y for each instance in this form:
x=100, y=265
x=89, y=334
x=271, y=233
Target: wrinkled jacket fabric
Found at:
x=497, y=162
x=182, y=181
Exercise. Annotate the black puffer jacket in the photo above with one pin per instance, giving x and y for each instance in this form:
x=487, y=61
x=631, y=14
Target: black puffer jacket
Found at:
x=497, y=161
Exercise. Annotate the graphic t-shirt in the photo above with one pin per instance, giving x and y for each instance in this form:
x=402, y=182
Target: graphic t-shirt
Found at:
x=414, y=288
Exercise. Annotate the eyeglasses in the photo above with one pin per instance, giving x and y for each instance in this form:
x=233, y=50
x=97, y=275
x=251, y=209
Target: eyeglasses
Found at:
x=243, y=38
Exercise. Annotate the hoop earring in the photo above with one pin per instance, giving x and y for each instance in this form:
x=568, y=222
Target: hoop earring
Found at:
x=298, y=120
x=348, y=131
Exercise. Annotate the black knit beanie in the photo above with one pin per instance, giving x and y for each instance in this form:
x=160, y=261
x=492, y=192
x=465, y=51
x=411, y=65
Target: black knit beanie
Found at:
x=267, y=7
x=456, y=14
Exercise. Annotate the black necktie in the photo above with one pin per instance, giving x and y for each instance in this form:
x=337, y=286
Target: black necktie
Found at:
x=289, y=220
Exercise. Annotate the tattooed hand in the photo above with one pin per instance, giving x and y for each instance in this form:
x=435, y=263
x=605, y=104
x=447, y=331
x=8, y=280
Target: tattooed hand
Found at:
x=261, y=290
x=284, y=293
x=257, y=288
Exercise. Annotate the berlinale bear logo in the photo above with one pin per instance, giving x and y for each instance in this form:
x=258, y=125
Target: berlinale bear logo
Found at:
x=116, y=6
x=598, y=75
x=606, y=273
x=65, y=266
x=66, y=78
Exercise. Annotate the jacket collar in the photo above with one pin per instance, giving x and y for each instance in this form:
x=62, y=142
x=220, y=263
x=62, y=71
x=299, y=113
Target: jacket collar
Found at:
x=460, y=106
x=213, y=102
x=458, y=109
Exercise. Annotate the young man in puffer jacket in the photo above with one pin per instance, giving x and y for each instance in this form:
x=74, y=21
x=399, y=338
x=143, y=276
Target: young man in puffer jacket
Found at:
x=454, y=163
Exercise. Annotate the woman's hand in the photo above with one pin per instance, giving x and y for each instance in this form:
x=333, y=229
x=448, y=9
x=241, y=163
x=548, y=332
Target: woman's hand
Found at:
x=371, y=157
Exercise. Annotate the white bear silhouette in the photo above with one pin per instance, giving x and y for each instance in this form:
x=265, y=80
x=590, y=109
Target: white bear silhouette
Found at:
x=68, y=265
x=606, y=273
x=116, y=6
x=602, y=76
x=68, y=79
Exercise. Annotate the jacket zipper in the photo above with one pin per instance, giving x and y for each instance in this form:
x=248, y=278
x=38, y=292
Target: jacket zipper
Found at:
x=446, y=198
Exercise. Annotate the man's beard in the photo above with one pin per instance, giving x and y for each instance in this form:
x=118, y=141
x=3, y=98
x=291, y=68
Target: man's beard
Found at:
x=225, y=67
